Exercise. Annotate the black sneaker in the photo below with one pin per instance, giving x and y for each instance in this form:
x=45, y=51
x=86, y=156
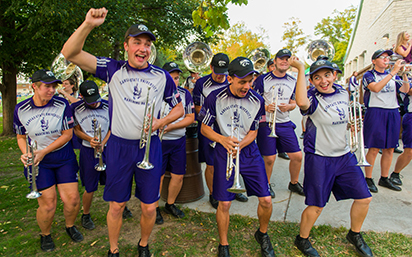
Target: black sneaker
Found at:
x=395, y=179
x=385, y=182
x=241, y=198
x=302, y=135
x=265, y=244
x=213, y=202
x=361, y=247
x=172, y=209
x=159, y=218
x=297, y=188
x=272, y=193
x=397, y=150
x=110, y=254
x=371, y=185
x=284, y=156
x=304, y=245
x=46, y=243
x=87, y=222
x=127, y=213
x=74, y=234
x=223, y=251
x=143, y=251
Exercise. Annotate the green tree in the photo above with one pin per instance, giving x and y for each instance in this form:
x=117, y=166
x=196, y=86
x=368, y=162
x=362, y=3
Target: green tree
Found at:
x=337, y=29
x=293, y=36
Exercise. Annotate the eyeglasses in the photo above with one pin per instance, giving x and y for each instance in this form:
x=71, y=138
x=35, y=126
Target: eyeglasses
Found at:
x=383, y=57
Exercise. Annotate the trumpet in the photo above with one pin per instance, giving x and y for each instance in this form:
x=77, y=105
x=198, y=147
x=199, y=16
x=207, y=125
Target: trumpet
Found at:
x=162, y=115
x=146, y=138
x=98, y=151
x=31, y=176
x=236, y=187
x=272, y=121
x=356, y=142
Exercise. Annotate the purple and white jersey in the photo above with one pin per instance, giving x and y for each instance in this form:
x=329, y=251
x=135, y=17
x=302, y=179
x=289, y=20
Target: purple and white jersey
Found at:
x=269, y=86
x=353, y=84
x=45, y=123
x=83, y=115
x=187, y=106
x=128, y=89
x=203, y=87
x=407, y=100
x=386, y=98
x=327, y=123
x=222, y=109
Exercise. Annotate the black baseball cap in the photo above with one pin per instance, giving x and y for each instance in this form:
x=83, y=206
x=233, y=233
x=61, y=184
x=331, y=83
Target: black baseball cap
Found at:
x=44, y=76
x=283, y=52
x=220, y=63
x=320, y=64
x=138, y=29
x=171, y=66
x=241, y=67
x=90, y=92
x=270, y=62
x=379, y=52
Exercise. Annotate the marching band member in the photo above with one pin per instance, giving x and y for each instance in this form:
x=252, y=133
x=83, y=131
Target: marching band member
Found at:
x=129, y=83
x=329, y=164
x=403, y=46
x=69, y=90
x=48, y=120
x=237, y=105
x=382, y=118
x=203, y=87
x=278, y=84
x=174, y=146
x=84, y=112
x=191, y=81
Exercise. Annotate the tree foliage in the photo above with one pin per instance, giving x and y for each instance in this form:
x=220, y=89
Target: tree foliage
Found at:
x=293, y=36
x=337, y=29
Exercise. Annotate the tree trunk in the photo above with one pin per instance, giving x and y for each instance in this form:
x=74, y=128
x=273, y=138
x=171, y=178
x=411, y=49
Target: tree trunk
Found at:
x=9, y=98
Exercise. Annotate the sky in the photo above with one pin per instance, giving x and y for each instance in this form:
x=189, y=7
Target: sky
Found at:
x=272, y=14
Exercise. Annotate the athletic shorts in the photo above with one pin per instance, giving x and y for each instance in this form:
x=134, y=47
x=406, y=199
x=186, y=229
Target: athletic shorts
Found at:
x=407, y=130
x=252, y=169
x=205, y=150
x=286, y=142
x=122, y=155
x=58, y=167
x=339, y=175
x=381, y=128
x=174, y=156
x=89, y=176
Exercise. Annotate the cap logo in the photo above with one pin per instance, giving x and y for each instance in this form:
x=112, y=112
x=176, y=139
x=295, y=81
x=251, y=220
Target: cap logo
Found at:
x=285, y=51
x=90, y=91
x=142, y=27
x=321, y=62
x=334, y=65
x=172, y=64
x=221, y=63
x=49, y=73
x=244, y=63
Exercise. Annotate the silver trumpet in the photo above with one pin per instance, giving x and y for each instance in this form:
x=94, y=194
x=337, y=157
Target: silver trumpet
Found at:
x=98, y=150
x=272, y=121
x=236, y=187
x=356, y=142
x=31, y=176
x=162, y=130
x=145, y=138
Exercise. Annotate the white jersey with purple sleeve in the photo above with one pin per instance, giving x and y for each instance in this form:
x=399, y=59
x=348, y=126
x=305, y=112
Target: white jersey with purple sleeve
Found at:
x=45, y=123
x=189, y=109
x=222, y=109
x=84, y=115
x=327, y=123
x=128, y=89
x=269, y=86
x=203, y=87
x=386, y=98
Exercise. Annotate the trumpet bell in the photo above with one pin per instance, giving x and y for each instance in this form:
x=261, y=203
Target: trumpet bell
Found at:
x=99, y=167
x=145, y=165
x=33, y=195
x=259, y=57
x=317, y=48
x=197, y=56
x=237, y=189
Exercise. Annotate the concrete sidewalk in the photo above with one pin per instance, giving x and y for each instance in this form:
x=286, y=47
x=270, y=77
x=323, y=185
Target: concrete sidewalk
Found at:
x=389, y=211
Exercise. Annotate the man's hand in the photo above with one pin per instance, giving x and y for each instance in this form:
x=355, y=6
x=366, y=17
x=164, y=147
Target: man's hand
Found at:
x=294, y=62
x=230, y=144
x=96, y=17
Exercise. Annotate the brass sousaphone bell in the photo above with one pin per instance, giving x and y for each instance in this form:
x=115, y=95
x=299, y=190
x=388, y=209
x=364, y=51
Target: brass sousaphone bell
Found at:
x=197, y=56
x=259, y=57
x=317, y=48
x=63, y=69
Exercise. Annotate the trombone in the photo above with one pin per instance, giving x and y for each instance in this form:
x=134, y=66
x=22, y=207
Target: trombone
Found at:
x=356, y=142
x=32, y=176
x=272, y=121
x=98, y=152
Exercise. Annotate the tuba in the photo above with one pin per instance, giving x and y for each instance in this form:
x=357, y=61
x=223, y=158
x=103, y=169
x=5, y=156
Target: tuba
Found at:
x=152, y=56
x=63, y=69
x=259, y=57
x=197, y=56
x=317, y=48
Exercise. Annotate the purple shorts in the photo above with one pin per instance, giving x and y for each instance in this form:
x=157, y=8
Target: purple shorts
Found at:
x=205, y=150
x=252, y=169
x=174, y=156
x=57, y=167
x=286, y=142
x=122, y=155
x=89, y=176
x=339, y=175
x=381, y=128
x=407, y=130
